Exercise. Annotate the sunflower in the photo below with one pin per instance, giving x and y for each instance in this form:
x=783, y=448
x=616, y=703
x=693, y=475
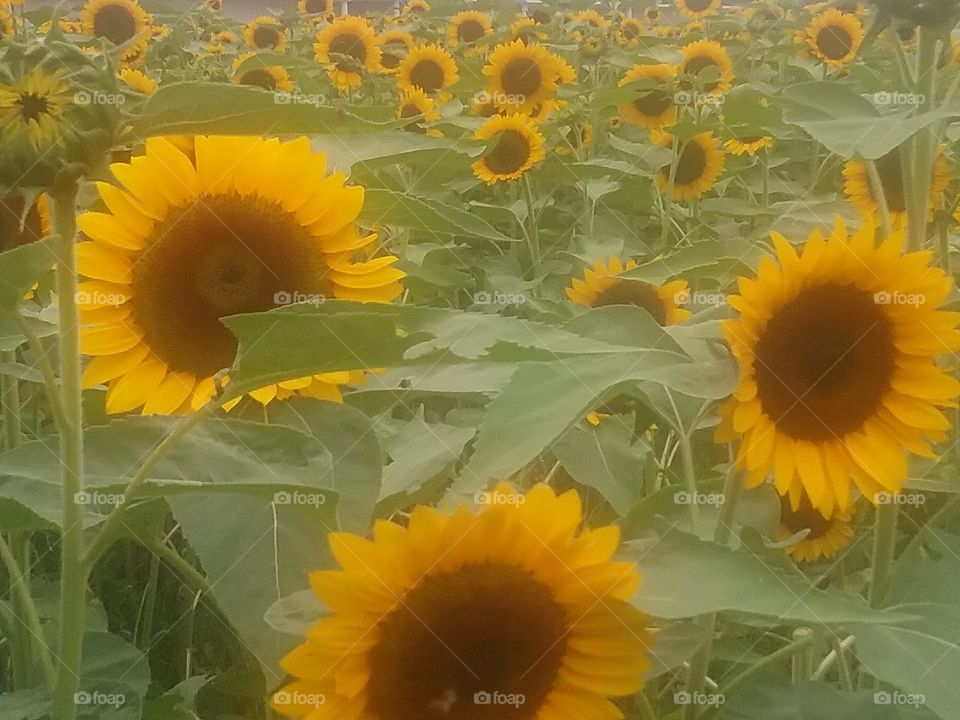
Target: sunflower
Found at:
x=521, y=77
x=412, y=7
x=602, y=285
x=834, y=37
x=592, y=45
x=20, y=225
x=428, y=67
x=467, y=27
x=955, y=51
x=748, y=144
x=220, y=41
x=515, y=145
x=651, y=15
x=701, y=55
x=395, y=45
x=527, y=31
x=654, y=108
x=591, y=18
x=698, y=165
x=511, y=611
x=123, y=22
x=859, y=190
x=214, y=4
x=265, y=33
x=34, y=108
x=273, y=78
x=419, y=108
x=348, y=46
x=838, y=378
x=160, y=31
x=6, y=25
x=323, y=8
x=255, y=223
x=138, y=82
x=629, y=32
x=574, y=139
x=697, y=9
x=827, y=536
x=765, y=13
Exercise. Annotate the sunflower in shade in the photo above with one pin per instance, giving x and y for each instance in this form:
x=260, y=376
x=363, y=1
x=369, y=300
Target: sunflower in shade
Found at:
x=348, y=46
x=591, y=18
x=515, y=144
x=629, y=32
x=522, y=77
x=697, y=9
x=414, y=7
x=419, y=108
x=258, y=74
x=653, y=108
x=549, y=617
x=703, y=55
x=527, y=31
x=123, y=22
x=428, y=67
x=468, y=27
x=838, y=379
x=323, y=9
x=182, y=245
x=220, y=41
x=748, y=144
x=265, y=33
x=834, y=37
x=651, y=15
x=860, y=191
x=20, y=224
x=826, y=536
x=395, y=45
x=699, y=163
x=603, y=285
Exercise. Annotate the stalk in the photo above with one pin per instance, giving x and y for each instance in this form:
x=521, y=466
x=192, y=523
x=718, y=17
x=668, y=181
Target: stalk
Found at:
x=10, y=394
x=533, y=233
x=884, y=541
x=923, y=143
x=20, y=590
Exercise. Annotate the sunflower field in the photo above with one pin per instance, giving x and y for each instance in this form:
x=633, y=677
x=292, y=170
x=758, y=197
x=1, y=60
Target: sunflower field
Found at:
x=479, y=360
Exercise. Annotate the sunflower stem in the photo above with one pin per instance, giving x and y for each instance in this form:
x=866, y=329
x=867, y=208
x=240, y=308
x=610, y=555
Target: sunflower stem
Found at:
x=10, y=395
x=41, y=358
x=802, y=666
x=837, y=656
x=923, y=142
x=73, y=577
x=533, y=234
x=884, y=542
x=666, y=199
x=876, y=187
x=27, y=611
x=765, y=168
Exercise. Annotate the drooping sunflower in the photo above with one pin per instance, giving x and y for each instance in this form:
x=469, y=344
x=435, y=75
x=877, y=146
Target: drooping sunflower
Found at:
x=413, y=7
x=419, y=108
x=697, y=9
x=428, y=67
x=748, y=144
x=138, y=81
x=467, y=27
x=268, y=77
x=265, y=33
x=629, y=32
x=550, y=630
x=348, y=45
x=838, y=377
x=515, y=145
x=859, y=190
x=20, y=225
x=395, y=45
x=253, y=224
x=123, y=22
x=602, y=285
x=698, y=165
x=654, y=108
x=834, y=37
x=701, y=55
x=34, y=109
x=826, y=536
x=522, y=77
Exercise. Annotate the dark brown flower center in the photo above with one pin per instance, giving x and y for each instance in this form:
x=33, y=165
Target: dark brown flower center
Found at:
x=457, y=640
x=511, y=153
x=824, y=362
x=316, y=6
x=691, y=165
x=470, y=31
x=806, y=517
x=427, y=75
x=33, y=107
x=541, y=17
x=521, y=76
x=891, y=180
x=834, y=42
x=351, y=46
x=266, y=37
x=696, y=65
x=697, y=5
x=633, y=292
x=221, y=256
x=259, y=77
x=115, y=23
x=653, y=103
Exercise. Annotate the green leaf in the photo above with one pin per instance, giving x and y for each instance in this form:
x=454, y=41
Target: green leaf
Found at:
x=673, y=646
x=377, y=149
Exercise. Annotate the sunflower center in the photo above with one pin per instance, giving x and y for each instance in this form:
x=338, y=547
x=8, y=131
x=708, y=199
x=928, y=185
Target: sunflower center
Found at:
x=522, y=77
x=824, y=362
x=697, y=5
x=115, y=23
x=654, y=103
x=806, y=517
x=223, y=256
x=691, y=164
x=630, y=292
x=696, y=65
x=266, y=37
x=349, y=45
x=510, y=154
x=834, y=42
x=470, y=31
x=891, y=180
x=458, y=636
x=260, y=77
x=630, y=31
x=427, y=75
x=315, y=6
x=541, y=17
x=33, y=107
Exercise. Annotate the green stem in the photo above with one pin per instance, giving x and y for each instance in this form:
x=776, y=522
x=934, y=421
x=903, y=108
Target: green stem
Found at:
x=144, y=632
x=765, y=167
x=644, y=708
x=838, y=656
x=876, y=188
x=949, y=507
x=25, y=605
x=666, y=198
x=884, y=542
x=922, y=144
x=10, y=396
x=534, y=232
x=42, y=358
x=802, y=666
